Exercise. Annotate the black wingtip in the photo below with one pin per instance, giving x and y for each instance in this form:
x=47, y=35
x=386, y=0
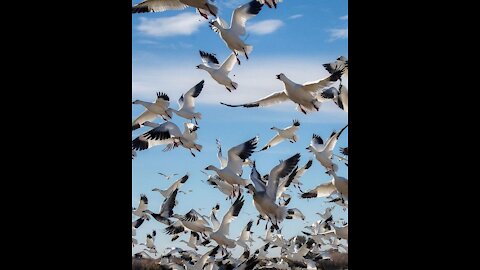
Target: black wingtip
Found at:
x=254, y=7
x=296, y=122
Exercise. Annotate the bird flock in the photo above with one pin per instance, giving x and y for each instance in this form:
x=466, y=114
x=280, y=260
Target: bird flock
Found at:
x=210, y=243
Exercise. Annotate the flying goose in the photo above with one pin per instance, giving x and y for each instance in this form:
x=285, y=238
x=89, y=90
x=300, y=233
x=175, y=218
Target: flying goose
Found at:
x=219, y=72
x=340, y=64
x=221, y=185
x=168, y=177
x=164, y=134
x=336, y=184
x=213, y=218
x=192, y=221
x=175, y=186
x=204, y=7
x=223, y=160
x=231, y=34
x=189, y=136
x=294, y=213
x=166, y=210
x=220, y=235
x=287, y=133
x=137, y=223
x=323, y=152
x=200, y=263
x=150, y=243
x=304, y=95
x=298, y=173
x=245, y=236
x=340, y=96
x=142, y=206
x=193, y=241
x=186, y=102
x=236, y=156
x=152, y=110
x=264, y=196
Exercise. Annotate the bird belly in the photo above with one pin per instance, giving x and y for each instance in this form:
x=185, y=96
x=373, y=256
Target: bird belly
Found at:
x=233, y=41
x=221, y=79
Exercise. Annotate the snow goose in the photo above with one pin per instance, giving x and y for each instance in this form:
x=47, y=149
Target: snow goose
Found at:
x=221, y=185
x=287, y=133
x=219, y=72
x=204, y=7
x=160, y=107
x=192, y=221
x=245, y=236
x=231, y=34
x=175, y=186
x=165, y=134
x=295, y=213
x=298, y=173
x=137, y=223
x=150, y=243
x=268, y=235
x=189, y=136
x=340, y=64
x=186, y=102
x=142, y=206
x=304, y=95
x=323, y=152
x=220, y=235
x=169, y=176
x=264, y=196
x=213, y=218
x=200, y=263
x=193, y=241
x=166, y=210
x=327, y=213
x=336, y=185
x=223, y=160
x=236, y=156
x=340, y=96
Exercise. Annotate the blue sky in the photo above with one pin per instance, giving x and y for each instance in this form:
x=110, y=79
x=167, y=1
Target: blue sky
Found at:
x=294, y=39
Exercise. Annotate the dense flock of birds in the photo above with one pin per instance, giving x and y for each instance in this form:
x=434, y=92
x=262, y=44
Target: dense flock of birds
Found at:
x=319, y=242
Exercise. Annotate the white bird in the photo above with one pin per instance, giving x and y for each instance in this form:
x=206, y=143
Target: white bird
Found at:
x=193, y=241
x=223, y=160
x=323, y=152
x=150, y=243
x=166, y=210
x=298, y=173
x=159, y=108
x=268, y=235
x=340, y=96
x=304, y=95
x=192, y=221
x=231, y=34
x=327, y=213
x=169, y=176
x=221, y=185
x=287, y=133
x=336, y=184
x=294, y=213
x=142, y=206
x=213, y=218
x=219, y=72
x=264, y=196
x=186, y=102
x=201, y=262
x=204, y=7
x=340, y=64
x=221, y=235
x=236, y=156
x=189, y=136
x=245, y=236
x=176, y=185
x=164, y=134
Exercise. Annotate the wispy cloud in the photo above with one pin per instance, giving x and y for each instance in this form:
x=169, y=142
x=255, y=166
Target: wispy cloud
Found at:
x=339, y=33
x=183, y=24
x=265, y=27
x=344, y=18
x=296, y=16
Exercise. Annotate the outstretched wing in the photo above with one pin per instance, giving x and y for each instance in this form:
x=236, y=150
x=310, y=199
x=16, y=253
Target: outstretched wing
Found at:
x=280, y=171
x=158, y=6
x=242, y=14
x=269, y=100
x=237, y=154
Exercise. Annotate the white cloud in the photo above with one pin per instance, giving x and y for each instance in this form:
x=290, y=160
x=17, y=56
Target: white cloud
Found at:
x=339, y=33
x=344, y=18
x=177, y=76
x=296, y=16
x=183, y=24
x=265, y=27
